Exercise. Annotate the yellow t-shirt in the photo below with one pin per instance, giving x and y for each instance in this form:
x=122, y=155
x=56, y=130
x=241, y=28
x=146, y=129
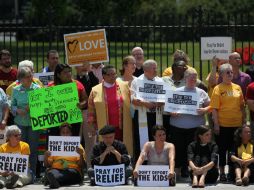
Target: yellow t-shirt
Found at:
x=22, y=148
x=12, y=85
x=228, y=100
x=168, y=71
x=62, y=162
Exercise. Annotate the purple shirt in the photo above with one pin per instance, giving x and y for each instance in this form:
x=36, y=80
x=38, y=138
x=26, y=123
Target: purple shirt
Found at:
x=243, y=80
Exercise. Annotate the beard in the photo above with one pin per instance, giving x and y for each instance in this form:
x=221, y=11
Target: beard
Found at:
x=6, y=65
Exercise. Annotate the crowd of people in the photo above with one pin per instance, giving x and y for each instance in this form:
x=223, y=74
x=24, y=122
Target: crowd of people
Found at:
x=114, y=118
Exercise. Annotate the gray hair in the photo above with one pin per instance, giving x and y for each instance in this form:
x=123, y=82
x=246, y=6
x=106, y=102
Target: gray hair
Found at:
x=190, y=71
x=23, y=72
x=148, y=63
x=26, y=63
x=224, y=67
x=12, y=130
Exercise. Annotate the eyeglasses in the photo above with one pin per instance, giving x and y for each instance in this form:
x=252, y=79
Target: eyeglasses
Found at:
x=229, y=72
x=17, y=135
x=111, y=74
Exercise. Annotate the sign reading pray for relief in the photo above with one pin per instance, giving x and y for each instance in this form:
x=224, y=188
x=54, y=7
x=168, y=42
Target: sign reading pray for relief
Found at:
x=62, y=146
x=90, y=46
x=52, y=106
x=109, y=175
x=153, y=176
x=151, y=91
x=16, y=163
x=220, y=47
x=182, y=102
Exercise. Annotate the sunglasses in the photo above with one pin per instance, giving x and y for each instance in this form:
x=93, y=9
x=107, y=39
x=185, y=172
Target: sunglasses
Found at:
x=17, y=135
x=229, y=72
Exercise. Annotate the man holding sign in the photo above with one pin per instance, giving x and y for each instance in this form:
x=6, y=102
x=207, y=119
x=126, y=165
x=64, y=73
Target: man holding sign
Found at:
x=110, y=152
x=14, y=162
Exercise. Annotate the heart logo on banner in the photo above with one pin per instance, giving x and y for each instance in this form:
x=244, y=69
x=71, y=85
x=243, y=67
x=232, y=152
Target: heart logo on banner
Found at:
x=71, y=45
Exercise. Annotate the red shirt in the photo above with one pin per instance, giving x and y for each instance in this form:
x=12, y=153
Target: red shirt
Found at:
x=113, y=111
x=80, y=87
x=7, y=78
x=250, y=96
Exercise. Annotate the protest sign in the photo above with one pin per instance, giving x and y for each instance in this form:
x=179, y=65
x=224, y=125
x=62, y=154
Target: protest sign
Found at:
x=153, y=175
x=52, y=106
x=109, y=175
x=182, y=102
x=45, y=78
x=16, y=163
x=62, y=146
x=151, y=91
x=2, y=136
x=215, y=46
x=90, y=46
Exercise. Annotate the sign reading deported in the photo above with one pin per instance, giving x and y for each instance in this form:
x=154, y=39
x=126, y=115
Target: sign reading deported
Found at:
x=182, y=102
x=90, y=46
x=45, y=78
x=52, y=106
x=220, y=47
x=16, y=163
x=152, y=175
x=109, y=175
x=151, y=91
x=62, y=146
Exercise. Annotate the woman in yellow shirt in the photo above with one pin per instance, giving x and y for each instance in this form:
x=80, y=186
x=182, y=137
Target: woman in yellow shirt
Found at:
x=64, y=170
x=14, y=146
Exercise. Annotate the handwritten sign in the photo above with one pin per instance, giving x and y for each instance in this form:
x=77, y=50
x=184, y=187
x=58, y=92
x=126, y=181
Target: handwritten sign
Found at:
x=219, y=46
x=45, y=78
x=16, y=163
x=182, y=102
x=152, y=175
x=109, y=175
x=90, y=46
x=50, y=107
x=62, y=146
x=151, y=91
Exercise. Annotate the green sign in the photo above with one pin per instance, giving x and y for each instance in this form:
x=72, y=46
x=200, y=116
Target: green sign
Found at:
x=52, y=106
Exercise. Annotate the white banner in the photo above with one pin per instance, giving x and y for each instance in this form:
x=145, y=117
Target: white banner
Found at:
x=109, y=175
x=153, y=175
x=63, y=145
x=151, y=91
x=16, y=163
x=182, y=102
x=45, y=78
x=219, y=46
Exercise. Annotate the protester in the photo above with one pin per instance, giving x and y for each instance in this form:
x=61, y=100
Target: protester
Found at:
x=7, y=74
x=242, y=156
x=250, y=72
x=109, y=103
x=158, y=152
x=52, y=60
x=96, y=68
x=127, y=70
x=64, y=170
x=227, y=102
x=250, y=103
x=138, y=54
x=14, y=145
x=20, y=110
x=89, y=80
x=63, y=75
x=110, y=152
x=203, y=158
x=4, y=110
x=183, y=126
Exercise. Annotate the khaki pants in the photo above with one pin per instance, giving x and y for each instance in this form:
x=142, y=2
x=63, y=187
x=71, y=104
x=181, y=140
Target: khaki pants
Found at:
x=22, y=181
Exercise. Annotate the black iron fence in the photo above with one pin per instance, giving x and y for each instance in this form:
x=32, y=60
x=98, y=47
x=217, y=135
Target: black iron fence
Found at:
x=159, y=41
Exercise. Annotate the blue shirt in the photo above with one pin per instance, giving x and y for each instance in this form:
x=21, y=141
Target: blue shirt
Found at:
x=20, y=101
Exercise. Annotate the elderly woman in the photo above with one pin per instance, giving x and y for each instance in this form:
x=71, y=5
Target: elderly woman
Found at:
x=128, y=68
x=20, y=110
x=63, y=75
x=227, y=103
x=64, y=170
x=4, y=110
x=158, y=152
x=14, y=145
x=183, y=126
x=202, y=156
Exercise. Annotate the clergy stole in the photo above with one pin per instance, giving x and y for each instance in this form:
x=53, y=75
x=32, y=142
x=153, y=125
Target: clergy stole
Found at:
x=143, y=126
